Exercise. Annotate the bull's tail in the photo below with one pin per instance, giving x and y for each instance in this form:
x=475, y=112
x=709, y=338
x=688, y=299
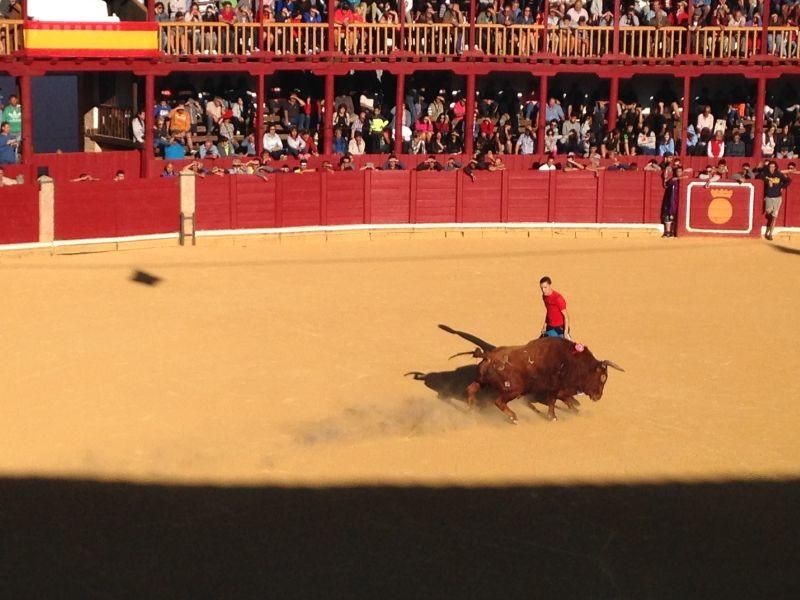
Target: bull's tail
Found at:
x=418, y=375
x=485, y=346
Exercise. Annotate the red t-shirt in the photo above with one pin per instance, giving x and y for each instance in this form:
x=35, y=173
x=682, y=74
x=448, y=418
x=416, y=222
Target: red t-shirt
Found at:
x=554, y=303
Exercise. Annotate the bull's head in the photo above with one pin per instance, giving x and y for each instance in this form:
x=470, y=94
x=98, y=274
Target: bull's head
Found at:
x=597, y=377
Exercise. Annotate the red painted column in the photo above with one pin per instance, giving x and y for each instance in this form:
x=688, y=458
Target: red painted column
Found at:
x=401, y=14
x=612, y=104
x=331, y=28
x=259, y=113
x=260, y=16
x=469, y=117
x=330, y=110
x=27, y=118
x=616, y=27
x=761, y=97
x=764, y=32
x=151, y=10
x=542, y=119
x=689, y=49
x=399, y=111
x=473, y=16
x=545, y=14
x=687, y=93
x=149, y=121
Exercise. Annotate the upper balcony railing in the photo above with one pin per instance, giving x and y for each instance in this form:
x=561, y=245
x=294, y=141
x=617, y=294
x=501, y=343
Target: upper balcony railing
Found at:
x=11, y=37
x=436, y=41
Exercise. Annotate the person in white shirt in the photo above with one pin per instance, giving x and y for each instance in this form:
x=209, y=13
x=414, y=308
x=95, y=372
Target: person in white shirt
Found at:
x=550, y=165
x=357, y=145
x=646, y=141
x=137, y=127
x=705, y=120
x=273, y=144
x=577, y=11
x=295, y=144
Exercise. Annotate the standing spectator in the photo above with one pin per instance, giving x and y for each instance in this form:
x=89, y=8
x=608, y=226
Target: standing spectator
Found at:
x=8, y=145
x=553, y=111
x=376, y=126
x=735, y=148
x=705, y=120
x=669, y=205
x=214, y=112
x=774, y=184
x=180, y=125
x=12, y=114
x=526, y=143
x=137, y=128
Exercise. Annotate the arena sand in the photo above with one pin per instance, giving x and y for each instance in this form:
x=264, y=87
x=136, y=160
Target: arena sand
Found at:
x=283, y=363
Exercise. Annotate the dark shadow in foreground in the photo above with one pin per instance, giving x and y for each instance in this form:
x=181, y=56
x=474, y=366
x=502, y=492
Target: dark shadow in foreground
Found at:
x=81, y=539
x=786, y=249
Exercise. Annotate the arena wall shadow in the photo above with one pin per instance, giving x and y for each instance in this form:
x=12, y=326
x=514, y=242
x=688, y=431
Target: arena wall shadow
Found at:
x=85, y=539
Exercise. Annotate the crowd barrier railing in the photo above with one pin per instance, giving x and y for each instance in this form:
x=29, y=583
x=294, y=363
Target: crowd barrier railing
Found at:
x=723, y=43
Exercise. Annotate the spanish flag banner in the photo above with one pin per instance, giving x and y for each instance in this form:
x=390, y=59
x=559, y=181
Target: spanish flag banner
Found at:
x=89, y=40
x=720, y=209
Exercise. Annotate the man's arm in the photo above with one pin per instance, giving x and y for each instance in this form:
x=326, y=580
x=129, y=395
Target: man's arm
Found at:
x=566, y=323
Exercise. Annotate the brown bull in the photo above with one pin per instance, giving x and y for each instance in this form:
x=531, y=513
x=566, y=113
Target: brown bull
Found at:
x=548, y=369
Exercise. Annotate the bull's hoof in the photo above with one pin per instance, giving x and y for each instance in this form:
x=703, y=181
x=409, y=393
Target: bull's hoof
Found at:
x=552, y=418
x=512, y=420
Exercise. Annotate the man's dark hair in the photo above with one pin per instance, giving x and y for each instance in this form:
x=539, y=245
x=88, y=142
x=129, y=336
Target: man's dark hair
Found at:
x=546, y=280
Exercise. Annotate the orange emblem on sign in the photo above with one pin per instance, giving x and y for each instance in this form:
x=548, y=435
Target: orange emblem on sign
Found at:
x=720, y=209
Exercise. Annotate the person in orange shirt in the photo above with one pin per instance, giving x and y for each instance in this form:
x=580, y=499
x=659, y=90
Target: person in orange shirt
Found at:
x=180, y=125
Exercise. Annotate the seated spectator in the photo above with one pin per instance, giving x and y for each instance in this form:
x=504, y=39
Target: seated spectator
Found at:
x=652, y=165
x=708, y=175
x=273, y=144
x=346, y=163
x=248, y=146
x=393, y=164
x=705, y=120
x=339, y=142
x=526, y=143
x=768, y=142
x=736, y=147
x=357, y=145
x=745, y=174
x=646, y=142
x=208, y=150
x=119, y=176
x=169, y=171
x=722, y=168
x=418, y=144
x=327, y=167
x=667, y=145
x=303, y=167
x=572, y=164
x=716, y=147
x=295, y=145
x=452, y=164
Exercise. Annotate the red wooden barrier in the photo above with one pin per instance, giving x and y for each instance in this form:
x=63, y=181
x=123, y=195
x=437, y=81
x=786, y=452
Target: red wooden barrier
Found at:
x=435, y=196
x=391, y=197
x=482, y=198
x=19, y=214
x=576, y=197
x=69, y=165
x=116, y=209
x=623, y=197
x=528, y=193
x=791, y=205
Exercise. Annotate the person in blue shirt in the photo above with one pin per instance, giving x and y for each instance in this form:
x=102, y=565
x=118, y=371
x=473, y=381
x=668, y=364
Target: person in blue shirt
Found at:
x=8, y=145
x=667, y=145
x=339, y=142
x=174, y=150
x=553, y=111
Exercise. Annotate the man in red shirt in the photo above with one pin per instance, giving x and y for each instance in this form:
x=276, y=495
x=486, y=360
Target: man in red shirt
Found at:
x=556, y=319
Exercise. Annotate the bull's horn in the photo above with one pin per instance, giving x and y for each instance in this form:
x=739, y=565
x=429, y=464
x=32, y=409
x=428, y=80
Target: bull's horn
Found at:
x=418, y=375
x=471, y=353
x=613, y=365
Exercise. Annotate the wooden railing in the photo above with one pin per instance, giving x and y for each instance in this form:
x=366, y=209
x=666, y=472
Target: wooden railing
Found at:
x=502, y=40
x=294, y=38
x=425, y=39
x=11, y=36
x=581, y=42
x=114, y=122
x=431, y=40
x=727, y=42
x=784, y=42
x=652, y=42
x=367, y=39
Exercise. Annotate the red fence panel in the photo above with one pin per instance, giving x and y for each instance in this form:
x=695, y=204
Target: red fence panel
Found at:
x=255, y=201
x=300, y=199
x=528, y=195
x=68, y=165
x=436, y=196
x=481, y=198
x=19, y=214
x=791, y=204
x=623, y=197
x=576, y=197
x=344, y=197
x=115, y=209
x=213, y=208
x=390, y=197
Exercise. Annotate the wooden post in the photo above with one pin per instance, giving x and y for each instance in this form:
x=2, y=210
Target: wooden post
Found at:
x=764, y=33
x=401, y=14
x=27, y=118
x=473, y=16
x=689, y=36
x=331, y=5
x=399, y=111
x=469, y=117
x=615, y=43
x=259, y=116
x=328, y=114
x=687, y=102
x=542, y=118
x=612, y=103
x=761, y=98
x=151, y=10
x=149, y=121
x=260, y=16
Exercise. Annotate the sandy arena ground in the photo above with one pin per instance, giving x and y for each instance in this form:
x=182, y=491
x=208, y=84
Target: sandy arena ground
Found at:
x=283, y=363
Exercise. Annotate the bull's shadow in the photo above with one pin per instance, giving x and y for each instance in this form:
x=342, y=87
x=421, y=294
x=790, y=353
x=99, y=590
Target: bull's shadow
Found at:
x=451, y=386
